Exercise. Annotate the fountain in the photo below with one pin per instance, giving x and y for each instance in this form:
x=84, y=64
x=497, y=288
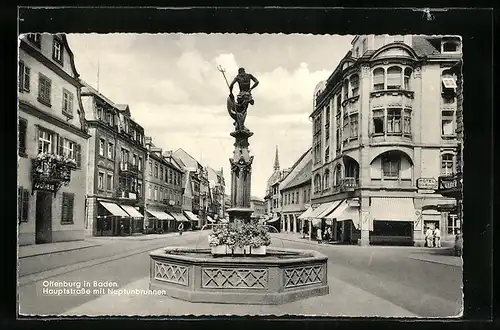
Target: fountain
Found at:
x=232, y=273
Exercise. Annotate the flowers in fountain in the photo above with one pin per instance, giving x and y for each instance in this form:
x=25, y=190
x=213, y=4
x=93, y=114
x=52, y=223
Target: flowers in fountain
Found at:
x=234, y=236
x=53, y=167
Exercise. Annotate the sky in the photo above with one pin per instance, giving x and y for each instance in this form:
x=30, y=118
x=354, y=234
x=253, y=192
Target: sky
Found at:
x=174, y=90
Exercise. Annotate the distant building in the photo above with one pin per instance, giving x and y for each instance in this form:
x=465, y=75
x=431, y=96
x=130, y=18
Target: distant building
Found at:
x=217, y=192
x=258, y=207
x=383, y=132
x=116, y=156
x=52, y=128
x=273, y=196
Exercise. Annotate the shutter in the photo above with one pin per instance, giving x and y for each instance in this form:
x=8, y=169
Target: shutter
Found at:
x=21, y=76
x=26, y=204
x=22, y=137
x=69, y=215
x=60, y=144
x=48, y=89
x=27, y=79
x=78, y=155
x=64, y=208
x=19, y=204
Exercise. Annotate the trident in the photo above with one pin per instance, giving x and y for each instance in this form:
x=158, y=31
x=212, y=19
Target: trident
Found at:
x=221, y=69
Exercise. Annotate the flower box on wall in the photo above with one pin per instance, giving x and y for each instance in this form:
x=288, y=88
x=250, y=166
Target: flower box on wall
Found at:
x=238, y=250
x=219, y=250
x=261, y=250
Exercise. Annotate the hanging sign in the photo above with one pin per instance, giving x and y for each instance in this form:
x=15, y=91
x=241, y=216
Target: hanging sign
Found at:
x=427, y=183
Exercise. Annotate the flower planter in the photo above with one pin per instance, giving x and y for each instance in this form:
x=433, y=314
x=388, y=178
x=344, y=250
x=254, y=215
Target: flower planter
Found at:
x=238, y=250
x=261, y=250
x=247, y=249
x=219, y=250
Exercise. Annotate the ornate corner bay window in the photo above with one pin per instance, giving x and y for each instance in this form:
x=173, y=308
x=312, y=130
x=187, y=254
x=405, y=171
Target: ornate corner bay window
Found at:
x=391, y=121
x=394, y=78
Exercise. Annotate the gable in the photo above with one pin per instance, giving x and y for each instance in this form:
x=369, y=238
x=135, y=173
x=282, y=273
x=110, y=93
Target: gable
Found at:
x=394, y=51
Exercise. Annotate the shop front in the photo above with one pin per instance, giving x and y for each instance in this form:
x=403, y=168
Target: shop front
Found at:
x=194, y=221
x=393, y=221
x=179, y=219
x=345, y=222
x=112, y=220
x=274, y=222
x=158, y=221
x=136, y=219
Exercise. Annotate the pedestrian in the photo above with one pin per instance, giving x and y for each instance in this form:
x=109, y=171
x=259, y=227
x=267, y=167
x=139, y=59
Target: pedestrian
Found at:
x=437, y=237
x=304, y=229
x=329, y=233
x=181, y=228
x=319, y=235
x=122, y=228
x=429, y=237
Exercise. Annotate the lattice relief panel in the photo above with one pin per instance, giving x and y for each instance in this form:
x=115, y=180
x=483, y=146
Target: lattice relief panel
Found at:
x=171, y=273
x=230, y=278
x=300, y=276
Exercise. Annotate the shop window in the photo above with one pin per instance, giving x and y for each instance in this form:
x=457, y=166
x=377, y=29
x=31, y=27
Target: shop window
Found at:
x=394, y=77
x=378, y=122
x=378, y=79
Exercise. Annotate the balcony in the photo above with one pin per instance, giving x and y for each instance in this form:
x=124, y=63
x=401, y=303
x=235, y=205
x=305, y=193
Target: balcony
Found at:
x=127, y=194
x=347, y=184
x=128, y=167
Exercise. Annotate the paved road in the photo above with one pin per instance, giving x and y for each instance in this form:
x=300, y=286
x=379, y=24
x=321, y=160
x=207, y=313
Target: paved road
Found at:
x=425, y=289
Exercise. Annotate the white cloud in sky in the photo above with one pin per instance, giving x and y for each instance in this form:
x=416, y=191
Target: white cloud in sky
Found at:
x=175, y=91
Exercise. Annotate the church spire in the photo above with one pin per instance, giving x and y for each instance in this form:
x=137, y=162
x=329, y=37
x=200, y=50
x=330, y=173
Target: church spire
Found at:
x=276, y=161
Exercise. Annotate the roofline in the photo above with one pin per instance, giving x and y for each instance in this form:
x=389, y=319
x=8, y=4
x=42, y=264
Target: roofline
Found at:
x=297, y=163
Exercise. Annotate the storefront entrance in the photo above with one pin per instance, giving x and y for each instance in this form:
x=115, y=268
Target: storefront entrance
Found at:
x=392, y=232
x=43, y=217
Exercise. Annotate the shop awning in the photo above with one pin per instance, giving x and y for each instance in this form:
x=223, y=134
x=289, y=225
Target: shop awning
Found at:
x=191, y=216
x=350, y=213
x=306, y=214
x=338, y=211
x=320, y=209
x=392, y=209
x=179, y=217
x=209, y=218
x=114, y=209
x=132, y=211
x=273, y=220
x=329, y=208
x=160, y=215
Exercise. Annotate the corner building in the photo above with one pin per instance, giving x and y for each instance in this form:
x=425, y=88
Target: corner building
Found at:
x=384, y=119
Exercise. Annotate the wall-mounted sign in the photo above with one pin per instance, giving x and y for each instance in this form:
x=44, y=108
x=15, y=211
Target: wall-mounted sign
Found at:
x=51, y=186
x=426, y=191
x=427, y=183
x=449, y=182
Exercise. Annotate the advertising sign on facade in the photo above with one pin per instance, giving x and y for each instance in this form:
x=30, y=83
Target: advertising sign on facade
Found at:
x=50, y=186
x=427, y=183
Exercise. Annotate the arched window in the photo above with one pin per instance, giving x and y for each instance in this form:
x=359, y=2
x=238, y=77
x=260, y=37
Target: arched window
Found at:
x=354, y=85
x=407, y=77
x=326, y=179
x=338, y=174
x=447, y=164
x=327, y=154
x=317, y=183
x=394, y=77
x=378, y=79
x=345, y=89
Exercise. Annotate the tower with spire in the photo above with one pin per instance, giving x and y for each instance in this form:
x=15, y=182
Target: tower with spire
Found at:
x=276, y=161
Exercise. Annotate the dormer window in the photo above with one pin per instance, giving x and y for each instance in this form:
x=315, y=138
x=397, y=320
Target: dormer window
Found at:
x=57, y=51
x=450, y=46
x=35, y=38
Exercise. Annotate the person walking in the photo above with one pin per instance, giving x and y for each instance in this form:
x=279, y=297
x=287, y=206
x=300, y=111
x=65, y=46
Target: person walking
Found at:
x=437, y=237
x=429, y=237
x=180, y=228
x=319, y=235
x=304, y=230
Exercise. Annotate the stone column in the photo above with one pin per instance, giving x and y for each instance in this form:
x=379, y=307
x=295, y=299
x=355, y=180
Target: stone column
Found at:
x=364, y=215
x=288, y=228
x=241, y=179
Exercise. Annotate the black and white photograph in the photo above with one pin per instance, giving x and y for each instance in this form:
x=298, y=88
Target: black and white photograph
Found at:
x=173, y=174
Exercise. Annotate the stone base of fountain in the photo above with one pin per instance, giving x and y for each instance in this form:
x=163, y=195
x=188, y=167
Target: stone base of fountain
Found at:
x=280, y=276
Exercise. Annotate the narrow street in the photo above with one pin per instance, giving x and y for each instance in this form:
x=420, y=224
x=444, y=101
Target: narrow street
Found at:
x=390, y=273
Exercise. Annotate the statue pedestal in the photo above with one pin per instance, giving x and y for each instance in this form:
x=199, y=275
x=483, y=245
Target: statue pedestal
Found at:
x=239, y=216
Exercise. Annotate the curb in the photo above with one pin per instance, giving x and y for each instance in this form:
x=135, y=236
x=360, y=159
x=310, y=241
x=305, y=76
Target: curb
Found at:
x=435, y=262
x=58, y=251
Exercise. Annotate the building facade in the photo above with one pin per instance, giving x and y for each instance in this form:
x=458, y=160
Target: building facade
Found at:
x=116, y=160
x=384, y=121
x=217, y=190
x=273, y=196
x=163, y=200
x=52, y=149
x=295, y=191
x=258, y=207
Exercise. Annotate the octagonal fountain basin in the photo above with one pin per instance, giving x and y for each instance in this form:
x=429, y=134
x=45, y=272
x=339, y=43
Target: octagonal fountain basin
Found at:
x=280, y=276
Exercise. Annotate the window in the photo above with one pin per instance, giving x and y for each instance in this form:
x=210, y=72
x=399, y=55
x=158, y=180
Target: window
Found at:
x=161, y=194
x=407, y=77
x=326, y=180
x=156, y=170
x=338, y=137
x=57, y=51
x=378, y=79
x=327, y=155
x=150, y=195
x=44, y=89
x=21, y=147
x=317, y=183
x=139, y=189
x=156, y=194
x=390, y=166
x=139, y=164
x=338, y=174
x=450, y=47
x=161, y=173
x=67, y=106
x=35, y=38
x=23, y=203
x=150, y=168
x=110, y=119
x=100, y=182
x=109, y=181
x=447, y=122
x=364, y=47
x=345, y=89
x=45, y=141
x=453, y=224
x=447, y=164
x=356, y=52
x=102, y=142
x=407, y=122
x=68, y=148
x=169, y=176
x=353, y=123
x=394, y=121
x=339, y=104
x=449, y=83
x=24, y=78
x=378, y=122
x=134, y=160
x=394, y=77
x=110, y=150
x=68, y=200
x=354, y=85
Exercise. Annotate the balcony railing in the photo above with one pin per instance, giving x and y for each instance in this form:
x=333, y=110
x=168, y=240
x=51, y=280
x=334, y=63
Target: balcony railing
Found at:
x=128, y=167
x=127, y=194
x=347, y=184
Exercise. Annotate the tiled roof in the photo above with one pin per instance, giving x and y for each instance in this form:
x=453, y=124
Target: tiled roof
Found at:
x=423, y=47
x=303, y=176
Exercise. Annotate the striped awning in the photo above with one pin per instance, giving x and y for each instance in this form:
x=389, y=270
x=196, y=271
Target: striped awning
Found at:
x=306, y=214
x=160, y=215
x=191, y=216
x=329, y=208
x=392, y=209
x=132, y=211
x=320, y=209
x=179, y=217
x=114, y=209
